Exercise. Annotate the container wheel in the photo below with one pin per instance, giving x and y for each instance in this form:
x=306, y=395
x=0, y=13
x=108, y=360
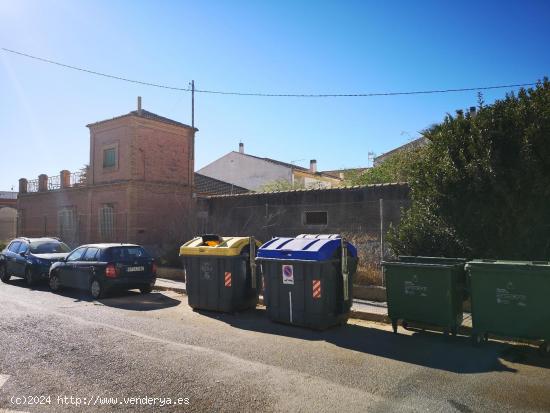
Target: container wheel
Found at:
x=486, y=337
x=454, y=331
x=394, y=326
x=405, y=324
x=544, y=349
x=477, y=339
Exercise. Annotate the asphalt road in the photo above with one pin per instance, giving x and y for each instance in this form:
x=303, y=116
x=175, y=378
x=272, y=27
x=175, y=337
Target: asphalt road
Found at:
x=54, y=346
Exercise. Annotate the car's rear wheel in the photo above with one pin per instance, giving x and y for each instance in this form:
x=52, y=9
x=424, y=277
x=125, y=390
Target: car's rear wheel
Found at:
x=54, y=282
x=147, y=289
x=29, y=277
x=96, y=289
x=4, y=276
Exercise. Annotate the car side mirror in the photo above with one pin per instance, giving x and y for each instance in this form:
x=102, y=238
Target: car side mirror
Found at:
x=23, y=253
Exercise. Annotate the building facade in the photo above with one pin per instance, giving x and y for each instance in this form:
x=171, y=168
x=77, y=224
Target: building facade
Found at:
x=253, y=172
x=137, y=188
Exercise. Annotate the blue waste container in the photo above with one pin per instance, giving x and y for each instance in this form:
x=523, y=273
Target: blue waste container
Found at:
x=308, y=280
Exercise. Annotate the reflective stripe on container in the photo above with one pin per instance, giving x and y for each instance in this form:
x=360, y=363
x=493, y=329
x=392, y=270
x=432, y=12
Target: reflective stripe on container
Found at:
x=316, y=289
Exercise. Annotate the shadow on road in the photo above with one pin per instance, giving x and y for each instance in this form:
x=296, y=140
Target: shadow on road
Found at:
x=125, y=300
x=433, y=350
x=134, y=301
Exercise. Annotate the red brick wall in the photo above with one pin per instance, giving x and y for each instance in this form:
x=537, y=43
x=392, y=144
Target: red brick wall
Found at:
x=158, y=216
x=39, y=212
x=116, y=132
x=147, y=150
x=164, y=215
x=161, y=152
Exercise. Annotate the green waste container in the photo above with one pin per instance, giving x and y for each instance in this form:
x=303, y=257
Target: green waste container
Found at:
x=510, y=299
x=308, y=280
x=427, y=290
x=221, y=273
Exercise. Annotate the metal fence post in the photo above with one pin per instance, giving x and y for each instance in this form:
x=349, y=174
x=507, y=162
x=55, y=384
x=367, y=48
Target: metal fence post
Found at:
x=382, y=239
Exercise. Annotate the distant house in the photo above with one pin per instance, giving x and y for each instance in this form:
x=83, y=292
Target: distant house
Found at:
x=416, y=143
x=253, y=172
x=343, y=173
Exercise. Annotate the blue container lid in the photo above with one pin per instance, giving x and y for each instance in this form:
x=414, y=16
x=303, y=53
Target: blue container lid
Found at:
x=304, y=249
x=320, y=236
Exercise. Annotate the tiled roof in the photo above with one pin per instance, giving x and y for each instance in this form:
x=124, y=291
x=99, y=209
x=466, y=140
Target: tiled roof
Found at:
x=146, y=115
x=340, y=188
x=206, y=185
x=287, y=165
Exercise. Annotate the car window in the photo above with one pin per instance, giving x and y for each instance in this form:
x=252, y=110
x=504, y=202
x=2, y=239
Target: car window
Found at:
x=14, y=246
x=127, y=253
x=76, y=254
x=91, y=254
x=24, y=247
x=49, y=247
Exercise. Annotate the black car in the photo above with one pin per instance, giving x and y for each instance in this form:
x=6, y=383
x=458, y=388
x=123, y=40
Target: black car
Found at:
x=31, y=258
x=99, y=268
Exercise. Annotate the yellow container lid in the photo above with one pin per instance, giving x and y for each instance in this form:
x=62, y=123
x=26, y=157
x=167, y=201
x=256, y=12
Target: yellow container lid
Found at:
x=228, y=247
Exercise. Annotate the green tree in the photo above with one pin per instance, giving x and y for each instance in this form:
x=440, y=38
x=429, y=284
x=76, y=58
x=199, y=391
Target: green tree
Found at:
x=482, y=186
x=397, y=168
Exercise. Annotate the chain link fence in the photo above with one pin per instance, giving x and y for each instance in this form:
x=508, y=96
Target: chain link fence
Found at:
x=363, y=223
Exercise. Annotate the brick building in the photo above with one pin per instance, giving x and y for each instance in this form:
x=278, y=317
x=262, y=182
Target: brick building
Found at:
x=138, y=186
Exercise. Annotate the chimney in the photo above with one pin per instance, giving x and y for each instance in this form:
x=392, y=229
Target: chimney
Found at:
x=241, y=147
x=313, y=166
x=139, y=105
x=472, y=111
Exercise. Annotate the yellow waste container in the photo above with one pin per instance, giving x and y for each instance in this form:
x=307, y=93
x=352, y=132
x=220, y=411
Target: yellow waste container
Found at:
x=221, y=273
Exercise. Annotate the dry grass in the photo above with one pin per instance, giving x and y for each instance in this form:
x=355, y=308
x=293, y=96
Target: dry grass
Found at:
x=369, y=271
x=370, y=274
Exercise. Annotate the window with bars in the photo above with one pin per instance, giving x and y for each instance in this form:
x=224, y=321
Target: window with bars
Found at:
x=107, y=222
x=66, y=221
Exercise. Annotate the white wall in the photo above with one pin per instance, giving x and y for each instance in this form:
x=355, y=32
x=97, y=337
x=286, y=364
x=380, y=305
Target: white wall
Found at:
x=245, y=171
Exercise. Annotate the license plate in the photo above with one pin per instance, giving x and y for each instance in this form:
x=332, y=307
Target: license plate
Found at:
x=135, y=269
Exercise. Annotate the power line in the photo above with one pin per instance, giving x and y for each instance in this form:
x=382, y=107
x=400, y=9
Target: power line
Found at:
x=294, y=95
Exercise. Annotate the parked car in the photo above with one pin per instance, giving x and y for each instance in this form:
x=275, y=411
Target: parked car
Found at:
x=31, y=258
x=99, y=268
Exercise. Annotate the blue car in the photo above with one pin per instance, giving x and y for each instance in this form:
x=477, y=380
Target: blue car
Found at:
x=31, y=258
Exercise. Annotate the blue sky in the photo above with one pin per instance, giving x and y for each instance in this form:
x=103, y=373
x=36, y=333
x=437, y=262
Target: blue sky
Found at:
x=255, y=46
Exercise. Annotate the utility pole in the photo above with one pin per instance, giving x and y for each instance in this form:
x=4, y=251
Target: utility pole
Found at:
x=192, y=144
x=193, y=105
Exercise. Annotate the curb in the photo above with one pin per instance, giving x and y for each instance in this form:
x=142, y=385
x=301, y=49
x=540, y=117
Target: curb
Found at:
x=377, y=318
x=360, y=315
x=174, y=289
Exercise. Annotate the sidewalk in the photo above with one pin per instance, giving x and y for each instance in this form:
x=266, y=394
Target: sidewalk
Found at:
x=361, y=309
